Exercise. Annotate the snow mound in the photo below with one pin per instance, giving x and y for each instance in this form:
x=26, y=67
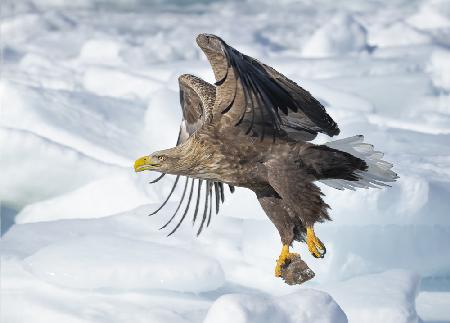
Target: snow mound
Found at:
x=99, y=198
x=433, y=306
x=29, y=160
x=340, y=36
x=306, y=305
x=388, y=297
x=26, y=298
x=99, y=262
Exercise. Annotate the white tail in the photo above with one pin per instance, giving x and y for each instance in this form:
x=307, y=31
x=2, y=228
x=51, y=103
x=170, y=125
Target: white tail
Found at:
x=378, y=173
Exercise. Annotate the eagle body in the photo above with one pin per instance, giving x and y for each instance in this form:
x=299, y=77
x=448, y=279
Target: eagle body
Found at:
x=252, y=129
x=280, y=173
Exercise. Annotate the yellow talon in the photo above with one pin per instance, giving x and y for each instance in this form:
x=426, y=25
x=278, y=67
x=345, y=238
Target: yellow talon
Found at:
x=315, y=246
x=284, y=256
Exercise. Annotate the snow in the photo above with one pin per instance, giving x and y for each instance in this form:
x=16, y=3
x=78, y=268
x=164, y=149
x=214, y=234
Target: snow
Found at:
x=90, y=201
x=88, y=86
x=101, y=51
x=117, y=83
x=62, y=168
x=339, y=36
x=97, y=262
x=433, y=306
x=440, y=69
x=385, y=297
x=302, y=306
x=104, y=134
x=121, y=261
x=398, y=34
x=431, y=16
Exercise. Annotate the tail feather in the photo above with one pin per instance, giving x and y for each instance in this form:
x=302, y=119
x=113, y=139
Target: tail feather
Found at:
x=378, y=172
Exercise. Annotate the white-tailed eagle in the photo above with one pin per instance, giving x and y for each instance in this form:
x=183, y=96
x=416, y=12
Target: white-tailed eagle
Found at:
x=252, y=129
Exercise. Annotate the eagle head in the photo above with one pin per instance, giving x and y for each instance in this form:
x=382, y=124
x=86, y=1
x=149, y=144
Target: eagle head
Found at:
x=179, y=160
x=158, y=161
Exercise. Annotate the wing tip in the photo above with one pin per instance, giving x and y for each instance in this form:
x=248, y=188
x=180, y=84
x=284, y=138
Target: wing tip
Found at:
x=334, y=131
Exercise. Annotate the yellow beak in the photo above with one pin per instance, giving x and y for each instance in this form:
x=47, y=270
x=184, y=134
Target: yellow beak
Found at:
x=144, y=163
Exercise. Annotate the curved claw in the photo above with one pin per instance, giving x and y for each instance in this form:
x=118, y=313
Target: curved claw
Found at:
x=315, y=246
x=322, y=255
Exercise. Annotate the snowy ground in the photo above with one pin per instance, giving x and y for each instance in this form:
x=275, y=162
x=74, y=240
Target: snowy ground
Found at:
x=87, y=87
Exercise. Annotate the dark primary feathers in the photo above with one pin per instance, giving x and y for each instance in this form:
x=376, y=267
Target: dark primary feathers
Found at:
x=261, y=100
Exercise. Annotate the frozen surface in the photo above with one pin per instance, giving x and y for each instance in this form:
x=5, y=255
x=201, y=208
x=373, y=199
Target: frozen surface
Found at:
x=339, y=36
x=433, y=306
x=97, y=262
x=385, y=297
x=302, y=306
x=88, y=86
x=87, y=270
x=90, y=201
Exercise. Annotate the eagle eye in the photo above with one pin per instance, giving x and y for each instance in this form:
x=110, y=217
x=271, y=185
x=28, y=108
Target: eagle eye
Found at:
x=161, y=158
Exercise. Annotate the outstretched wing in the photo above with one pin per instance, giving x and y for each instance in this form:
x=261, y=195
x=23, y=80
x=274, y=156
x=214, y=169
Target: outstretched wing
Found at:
x=193, y=93
x=251, y=95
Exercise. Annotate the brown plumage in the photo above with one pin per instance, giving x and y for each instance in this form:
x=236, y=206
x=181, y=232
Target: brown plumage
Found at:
x=251, y=129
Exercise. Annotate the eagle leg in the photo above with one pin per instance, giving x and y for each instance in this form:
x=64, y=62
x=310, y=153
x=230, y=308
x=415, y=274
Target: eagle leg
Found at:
x=277, y=212
x=315, y=246
x=284, y=259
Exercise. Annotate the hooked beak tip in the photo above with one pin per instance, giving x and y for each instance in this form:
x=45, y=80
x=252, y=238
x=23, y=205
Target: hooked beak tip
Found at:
x=144, y=163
